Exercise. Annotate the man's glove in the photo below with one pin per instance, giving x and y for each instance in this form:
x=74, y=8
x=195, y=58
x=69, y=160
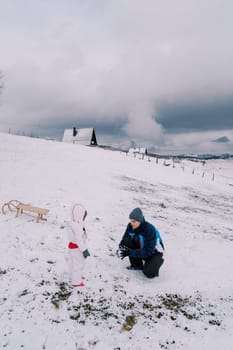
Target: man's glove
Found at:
x=123, y=251
x=86, y=253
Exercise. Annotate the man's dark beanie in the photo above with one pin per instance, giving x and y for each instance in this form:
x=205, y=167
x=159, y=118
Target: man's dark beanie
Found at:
x=136, y=214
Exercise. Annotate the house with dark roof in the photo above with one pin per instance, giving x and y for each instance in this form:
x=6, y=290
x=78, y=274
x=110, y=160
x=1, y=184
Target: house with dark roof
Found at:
x=84, y=136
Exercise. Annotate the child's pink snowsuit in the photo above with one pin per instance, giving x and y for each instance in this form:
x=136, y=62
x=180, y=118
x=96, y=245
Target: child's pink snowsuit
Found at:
x=77, y=244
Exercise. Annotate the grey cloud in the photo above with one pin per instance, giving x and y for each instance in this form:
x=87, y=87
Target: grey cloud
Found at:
x=222, y=139
x=111, y=128
x=130, y=67
x=199, y=115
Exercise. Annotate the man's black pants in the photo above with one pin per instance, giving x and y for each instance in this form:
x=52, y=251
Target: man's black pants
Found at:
x=152, y=264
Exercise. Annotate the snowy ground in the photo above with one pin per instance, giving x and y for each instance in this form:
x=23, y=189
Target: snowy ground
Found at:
x=190, y=306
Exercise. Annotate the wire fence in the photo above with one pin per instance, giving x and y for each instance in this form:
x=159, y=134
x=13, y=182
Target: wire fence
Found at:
x=174, y=162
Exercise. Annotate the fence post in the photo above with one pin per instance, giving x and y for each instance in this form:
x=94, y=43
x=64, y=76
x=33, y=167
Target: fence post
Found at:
x=213, y=177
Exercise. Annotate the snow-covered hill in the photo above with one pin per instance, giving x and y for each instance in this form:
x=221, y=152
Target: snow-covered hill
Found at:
x=190, y=306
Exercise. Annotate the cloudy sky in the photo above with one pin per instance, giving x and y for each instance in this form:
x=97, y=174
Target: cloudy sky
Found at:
x=156, y=72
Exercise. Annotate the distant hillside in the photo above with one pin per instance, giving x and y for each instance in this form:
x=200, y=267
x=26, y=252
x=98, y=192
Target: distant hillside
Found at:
x=206, y=156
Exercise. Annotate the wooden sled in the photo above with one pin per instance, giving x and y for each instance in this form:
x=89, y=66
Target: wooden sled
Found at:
x=26, y=207
x=19, y=207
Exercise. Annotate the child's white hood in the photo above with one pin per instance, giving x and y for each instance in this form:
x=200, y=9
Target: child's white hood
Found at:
x=77, y=213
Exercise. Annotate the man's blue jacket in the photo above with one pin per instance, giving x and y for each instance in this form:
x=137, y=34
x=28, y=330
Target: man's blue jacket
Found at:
x=144, y=238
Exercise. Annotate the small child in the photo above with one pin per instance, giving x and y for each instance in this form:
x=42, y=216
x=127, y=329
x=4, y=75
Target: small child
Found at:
x=77, y=244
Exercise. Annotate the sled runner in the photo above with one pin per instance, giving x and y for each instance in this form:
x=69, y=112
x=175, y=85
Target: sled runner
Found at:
x=11, y=205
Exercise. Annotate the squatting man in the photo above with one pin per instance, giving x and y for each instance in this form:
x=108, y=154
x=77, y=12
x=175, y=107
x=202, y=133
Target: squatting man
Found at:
x=141, y=242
